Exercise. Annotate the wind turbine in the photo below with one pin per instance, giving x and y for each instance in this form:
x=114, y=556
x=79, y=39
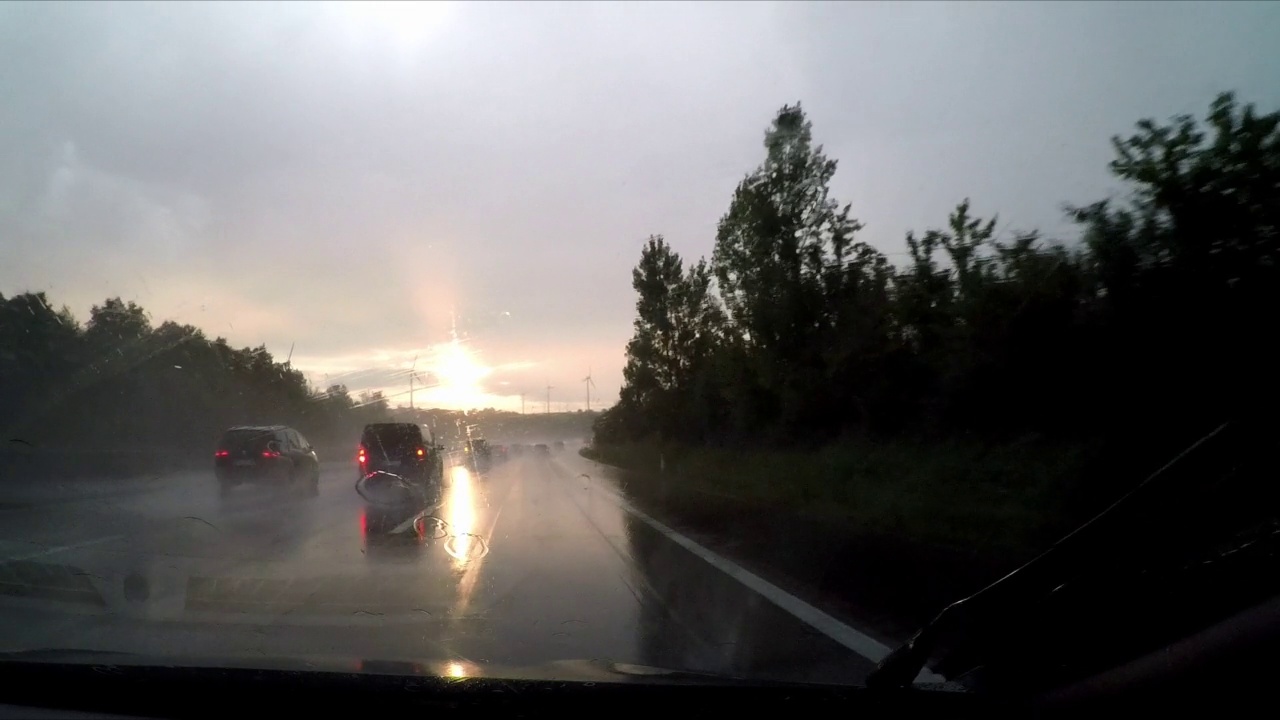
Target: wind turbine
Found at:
x=590, y=384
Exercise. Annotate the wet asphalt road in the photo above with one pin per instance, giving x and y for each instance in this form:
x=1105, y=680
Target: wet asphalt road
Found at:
x=529, y=564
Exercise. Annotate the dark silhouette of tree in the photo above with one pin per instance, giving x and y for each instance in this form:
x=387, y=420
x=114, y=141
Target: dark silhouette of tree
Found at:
x=117, y=384
x=39, y=349
x=781, y=259
x=1155, y=325
x=1185, y=271
x=668, y=390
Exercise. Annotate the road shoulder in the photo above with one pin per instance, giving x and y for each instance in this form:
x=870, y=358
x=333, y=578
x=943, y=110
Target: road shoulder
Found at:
x=841, y=576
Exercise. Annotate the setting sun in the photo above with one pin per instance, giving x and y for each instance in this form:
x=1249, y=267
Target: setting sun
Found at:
x=457, y=372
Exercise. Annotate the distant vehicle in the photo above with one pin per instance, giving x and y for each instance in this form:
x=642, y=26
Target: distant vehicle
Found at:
x=518, y=449
x=542, y=449
x=264, y=454
x=400, y=449
x=501, y=453
x=479, y=454
x=559, y=446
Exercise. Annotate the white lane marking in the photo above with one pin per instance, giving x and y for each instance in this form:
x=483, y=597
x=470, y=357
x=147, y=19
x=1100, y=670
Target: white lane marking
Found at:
x=62, y=548
x=860, y=643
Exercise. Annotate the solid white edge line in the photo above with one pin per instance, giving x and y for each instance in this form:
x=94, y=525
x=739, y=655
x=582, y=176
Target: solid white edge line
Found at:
x=860, y=643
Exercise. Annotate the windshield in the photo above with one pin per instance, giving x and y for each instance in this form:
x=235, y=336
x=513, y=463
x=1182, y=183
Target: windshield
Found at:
x=735, y=338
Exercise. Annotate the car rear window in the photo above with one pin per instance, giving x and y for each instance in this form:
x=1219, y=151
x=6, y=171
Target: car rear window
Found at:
x=393, y=438
x=252, y=440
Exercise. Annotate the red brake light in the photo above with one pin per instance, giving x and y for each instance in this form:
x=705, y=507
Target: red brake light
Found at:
x=360, y=455
x=221, y=453
x=270, y=454
x=421, y=452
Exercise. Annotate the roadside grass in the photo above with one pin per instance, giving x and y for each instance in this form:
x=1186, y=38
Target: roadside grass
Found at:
x=1011, y=499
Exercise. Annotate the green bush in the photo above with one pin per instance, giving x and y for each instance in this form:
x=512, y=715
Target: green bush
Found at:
x=970, y=496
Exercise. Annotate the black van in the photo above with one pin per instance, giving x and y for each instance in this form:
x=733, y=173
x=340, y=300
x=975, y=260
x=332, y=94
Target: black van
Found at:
x=401, y=449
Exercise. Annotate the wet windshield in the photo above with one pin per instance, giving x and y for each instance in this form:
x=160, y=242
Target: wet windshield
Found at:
x=731, y=338
x=393, y=438
x=254, y=439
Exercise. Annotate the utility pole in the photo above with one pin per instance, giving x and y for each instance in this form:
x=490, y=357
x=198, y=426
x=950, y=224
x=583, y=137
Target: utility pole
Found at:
x=411, y=369
x=521, y=403
x=548, y=399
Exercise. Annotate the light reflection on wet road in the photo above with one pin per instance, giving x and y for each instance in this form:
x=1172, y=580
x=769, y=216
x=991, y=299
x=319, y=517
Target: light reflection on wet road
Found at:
x=528, y=564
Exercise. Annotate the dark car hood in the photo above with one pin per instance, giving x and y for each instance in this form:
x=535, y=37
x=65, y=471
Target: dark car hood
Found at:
x=571, y=671
x=126, y=684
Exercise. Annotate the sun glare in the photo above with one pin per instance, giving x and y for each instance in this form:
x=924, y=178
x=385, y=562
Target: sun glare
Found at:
x=457, y=367
x=408, y=22
x=458, y=373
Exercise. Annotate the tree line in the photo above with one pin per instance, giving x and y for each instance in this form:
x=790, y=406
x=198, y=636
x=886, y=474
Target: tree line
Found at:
x=116, y=382
x=1150, y=328
x=501, y=426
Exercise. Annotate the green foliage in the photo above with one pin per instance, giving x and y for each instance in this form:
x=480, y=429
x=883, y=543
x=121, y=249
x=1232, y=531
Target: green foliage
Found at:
x=1149, y=331
x=1185, y=272
x=118, y=383
x=786, y=264
x=963, y=495
x=678, y=328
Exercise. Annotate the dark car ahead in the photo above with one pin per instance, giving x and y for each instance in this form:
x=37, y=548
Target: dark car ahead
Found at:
x=401, y=449
x=273, y=454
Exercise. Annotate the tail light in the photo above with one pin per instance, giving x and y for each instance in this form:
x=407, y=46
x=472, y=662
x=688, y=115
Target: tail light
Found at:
x=421, y=452
x=270, y=454
x=222, y=453
x=360, y=456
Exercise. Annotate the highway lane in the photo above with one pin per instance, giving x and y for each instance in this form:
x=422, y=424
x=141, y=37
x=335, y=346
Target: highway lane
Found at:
x=529, y=564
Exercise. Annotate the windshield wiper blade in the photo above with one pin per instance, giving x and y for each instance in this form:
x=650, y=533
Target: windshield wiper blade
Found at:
x=1130, y=518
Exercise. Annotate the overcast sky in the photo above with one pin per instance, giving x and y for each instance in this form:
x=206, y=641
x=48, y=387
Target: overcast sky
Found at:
x=360, y=180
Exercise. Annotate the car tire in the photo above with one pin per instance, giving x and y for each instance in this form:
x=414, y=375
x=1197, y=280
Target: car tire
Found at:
x=289, y=483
